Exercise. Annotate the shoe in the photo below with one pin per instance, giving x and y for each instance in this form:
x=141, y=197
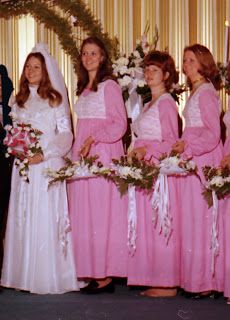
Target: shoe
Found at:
x=92, y=288
x=92, y=285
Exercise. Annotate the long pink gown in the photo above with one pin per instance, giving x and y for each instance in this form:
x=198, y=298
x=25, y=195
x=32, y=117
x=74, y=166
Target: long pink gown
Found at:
x=98, y=213
x=225, y=211
x=156, y=261
x=202, y=142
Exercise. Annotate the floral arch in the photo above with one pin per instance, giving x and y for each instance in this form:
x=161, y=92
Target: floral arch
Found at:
x=56, y=15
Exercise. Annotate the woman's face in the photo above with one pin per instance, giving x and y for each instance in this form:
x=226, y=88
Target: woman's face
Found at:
x=91, y=57
x=154, y=76
x=191, y=65
x=33, y=71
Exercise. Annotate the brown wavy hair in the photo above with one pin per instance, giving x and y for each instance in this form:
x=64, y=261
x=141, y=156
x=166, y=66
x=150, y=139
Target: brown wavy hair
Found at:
x=209, y=68
x=104, y=72
x=165, y=62
x=45, y=88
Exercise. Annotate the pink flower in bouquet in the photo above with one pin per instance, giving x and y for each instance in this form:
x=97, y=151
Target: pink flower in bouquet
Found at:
x=22, y=141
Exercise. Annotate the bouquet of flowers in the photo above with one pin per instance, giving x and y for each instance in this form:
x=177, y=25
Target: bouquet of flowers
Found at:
x=174, y=165
x=22, y=141
x=84, y=168
x=132, y=173
x=218, y=181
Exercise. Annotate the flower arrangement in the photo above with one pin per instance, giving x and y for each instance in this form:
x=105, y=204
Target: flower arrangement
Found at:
x=130, y=74
x=22, y=142
x=218, y=181
x=127, y=173
x=84, y=168
x=175, y=165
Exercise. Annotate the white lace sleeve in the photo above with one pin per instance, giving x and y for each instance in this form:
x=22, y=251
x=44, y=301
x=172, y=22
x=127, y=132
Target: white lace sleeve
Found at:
x=62, y=142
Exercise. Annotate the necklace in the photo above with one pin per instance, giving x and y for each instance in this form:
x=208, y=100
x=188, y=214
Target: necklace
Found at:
x=197, y=80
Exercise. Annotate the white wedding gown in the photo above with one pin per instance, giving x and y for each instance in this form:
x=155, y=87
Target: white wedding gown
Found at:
x=38, y=254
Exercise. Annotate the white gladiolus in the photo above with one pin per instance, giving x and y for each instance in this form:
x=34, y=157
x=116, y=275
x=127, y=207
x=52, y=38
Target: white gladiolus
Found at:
x=136, y=54
x=7, y=155
x=123, y=70
x=125, y=81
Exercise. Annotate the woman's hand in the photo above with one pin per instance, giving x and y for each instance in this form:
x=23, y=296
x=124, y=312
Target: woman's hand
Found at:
x=178, y=147
x=139, y=153
x=226, y=161
x=37, y=158
x=85, y=148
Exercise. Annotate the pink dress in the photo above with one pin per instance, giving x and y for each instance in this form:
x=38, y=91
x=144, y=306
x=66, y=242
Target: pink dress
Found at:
x=98, y=213
x=225, y=211
x=202, y=142
x=156, y=261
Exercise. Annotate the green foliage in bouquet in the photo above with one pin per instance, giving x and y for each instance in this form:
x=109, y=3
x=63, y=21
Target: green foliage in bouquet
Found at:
x=218, y=180
x=125, y=173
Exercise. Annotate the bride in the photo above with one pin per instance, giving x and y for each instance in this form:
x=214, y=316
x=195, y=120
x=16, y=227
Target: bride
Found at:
x=38, y=249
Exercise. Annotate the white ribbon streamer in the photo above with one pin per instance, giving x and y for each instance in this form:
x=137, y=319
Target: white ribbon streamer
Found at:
x=160, y=206
x=214, y=234
x=132, y=220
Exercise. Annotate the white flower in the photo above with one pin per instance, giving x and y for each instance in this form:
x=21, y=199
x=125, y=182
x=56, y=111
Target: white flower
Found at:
x=33, y=135
x=190, y=165
x=23, y=173
x=8, y=127
x=122, y=61
x=141, y=83
x=30, y=153
x=217, y=180
x=25, y=161
x=125, y=81
x=123, y=70
x=136, y=54
x=171, y=161
x=21, y=165
x=69, y=172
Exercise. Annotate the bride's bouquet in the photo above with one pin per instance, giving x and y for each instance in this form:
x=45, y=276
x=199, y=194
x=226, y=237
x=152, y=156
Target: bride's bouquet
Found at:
x=22, y=141
x=217, y=181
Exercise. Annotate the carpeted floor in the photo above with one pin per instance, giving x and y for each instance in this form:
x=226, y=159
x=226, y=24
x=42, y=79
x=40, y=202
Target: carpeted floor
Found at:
x=123, y=304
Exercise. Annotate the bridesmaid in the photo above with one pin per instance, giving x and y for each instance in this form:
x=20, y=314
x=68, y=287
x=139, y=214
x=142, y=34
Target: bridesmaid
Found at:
x=98, y=214
x=155, y=262
x=201, y=267
x=225, y=205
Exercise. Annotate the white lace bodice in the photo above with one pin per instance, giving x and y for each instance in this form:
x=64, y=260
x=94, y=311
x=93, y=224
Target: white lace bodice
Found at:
x=148, y=125
x=54, y=122
x=92, y=105
x=192, y=113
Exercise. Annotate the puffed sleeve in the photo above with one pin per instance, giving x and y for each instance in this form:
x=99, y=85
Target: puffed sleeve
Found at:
x=169, y=130
x=114, y=126
x=205, y=139
x=62, y=141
